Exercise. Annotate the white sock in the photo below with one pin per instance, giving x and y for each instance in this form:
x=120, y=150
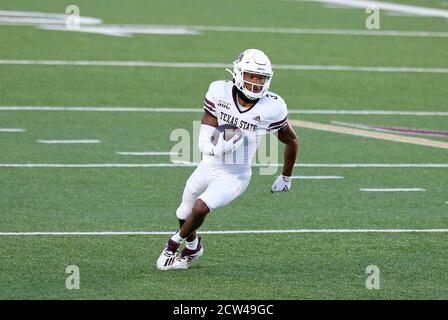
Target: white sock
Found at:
x=176, y=237
x=193, y=244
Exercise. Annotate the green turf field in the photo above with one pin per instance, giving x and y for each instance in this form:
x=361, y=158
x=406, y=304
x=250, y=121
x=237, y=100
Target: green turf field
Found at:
x=144, y=194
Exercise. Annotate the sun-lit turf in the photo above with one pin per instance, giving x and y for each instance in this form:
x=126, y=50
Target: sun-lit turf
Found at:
x=279, y=267
x=243, y=266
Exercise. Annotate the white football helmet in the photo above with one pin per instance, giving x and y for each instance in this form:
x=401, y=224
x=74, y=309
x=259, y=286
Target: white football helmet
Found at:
x=252, y=61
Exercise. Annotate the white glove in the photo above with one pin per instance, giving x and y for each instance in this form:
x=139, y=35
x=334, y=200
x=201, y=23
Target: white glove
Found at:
x=223, y=147
x=281, y=184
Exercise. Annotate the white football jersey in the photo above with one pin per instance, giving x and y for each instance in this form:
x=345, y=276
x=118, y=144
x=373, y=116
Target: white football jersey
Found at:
x=268, y=115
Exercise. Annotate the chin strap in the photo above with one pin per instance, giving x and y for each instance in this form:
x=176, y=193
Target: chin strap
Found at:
x=231, y=72
x=243, y=97
x=240, y=94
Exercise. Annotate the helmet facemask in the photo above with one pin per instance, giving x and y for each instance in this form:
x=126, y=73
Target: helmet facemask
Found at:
x=255, y=85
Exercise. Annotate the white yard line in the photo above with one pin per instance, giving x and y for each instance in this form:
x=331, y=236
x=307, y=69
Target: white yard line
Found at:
x=115, y=63
x=341, y=32
x=361, y=68
x=149, y=153
x=56, y=21
x=220, y=65
x=127, y=233
x=192, y=164
x=197, y=110
x=317, y=177
x=129, y=30
x=97, y=165
x=363, y=165
x=392, y=189
x=12, y=130
x=388, y=6
x=68, y=141
x=101, y=109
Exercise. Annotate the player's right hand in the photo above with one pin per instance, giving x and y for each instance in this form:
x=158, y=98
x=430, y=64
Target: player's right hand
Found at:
x=226, y=147
x=281, y=184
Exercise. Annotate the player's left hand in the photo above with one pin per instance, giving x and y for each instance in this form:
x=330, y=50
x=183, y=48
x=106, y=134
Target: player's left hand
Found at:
x=281, y=184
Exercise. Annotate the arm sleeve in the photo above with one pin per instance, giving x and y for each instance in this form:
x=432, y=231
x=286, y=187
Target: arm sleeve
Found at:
x=209, y=102
x=204, y=142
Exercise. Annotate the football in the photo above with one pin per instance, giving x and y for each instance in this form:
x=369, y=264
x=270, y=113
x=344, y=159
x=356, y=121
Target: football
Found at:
x=229, y=130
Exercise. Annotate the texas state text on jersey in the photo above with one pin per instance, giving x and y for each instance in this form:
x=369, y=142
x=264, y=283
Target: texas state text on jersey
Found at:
x=269, y=114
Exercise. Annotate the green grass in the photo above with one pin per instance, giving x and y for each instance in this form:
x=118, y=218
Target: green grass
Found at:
x=117, y=86
x=279, y=267
x=270, y=266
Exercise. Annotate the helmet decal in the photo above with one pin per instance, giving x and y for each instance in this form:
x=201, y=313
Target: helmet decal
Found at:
x=240, y=57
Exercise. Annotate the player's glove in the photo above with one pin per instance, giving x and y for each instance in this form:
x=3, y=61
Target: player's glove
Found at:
x=281, y=184
x=223, y=147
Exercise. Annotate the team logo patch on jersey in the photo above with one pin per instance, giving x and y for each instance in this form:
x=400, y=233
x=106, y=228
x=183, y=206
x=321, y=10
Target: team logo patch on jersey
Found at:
x=257, y=118
x=224, y=104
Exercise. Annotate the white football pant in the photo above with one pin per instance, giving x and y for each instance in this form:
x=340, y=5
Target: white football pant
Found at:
x=215, y=188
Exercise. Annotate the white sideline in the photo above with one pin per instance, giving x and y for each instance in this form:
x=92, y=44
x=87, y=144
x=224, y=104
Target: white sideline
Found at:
x=392, y=189
x=11, y=130
x=389, y=6
x=128, y=233
x=68, y=141
x=129, y=30
x=341, y=32
x=56, y=21
x=197, y=110
x=193, y=164
x=148, y=153
x=316, y=177
x=219, y=65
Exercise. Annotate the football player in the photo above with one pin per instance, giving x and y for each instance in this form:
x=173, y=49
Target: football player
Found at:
x=224, y=172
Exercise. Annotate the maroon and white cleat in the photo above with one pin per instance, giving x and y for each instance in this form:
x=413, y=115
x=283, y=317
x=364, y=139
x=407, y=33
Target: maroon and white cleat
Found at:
x=187, y=257
x=168, y=256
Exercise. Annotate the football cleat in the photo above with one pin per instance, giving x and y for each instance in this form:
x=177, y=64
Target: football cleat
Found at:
x=187, y=257
x=168, y=255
